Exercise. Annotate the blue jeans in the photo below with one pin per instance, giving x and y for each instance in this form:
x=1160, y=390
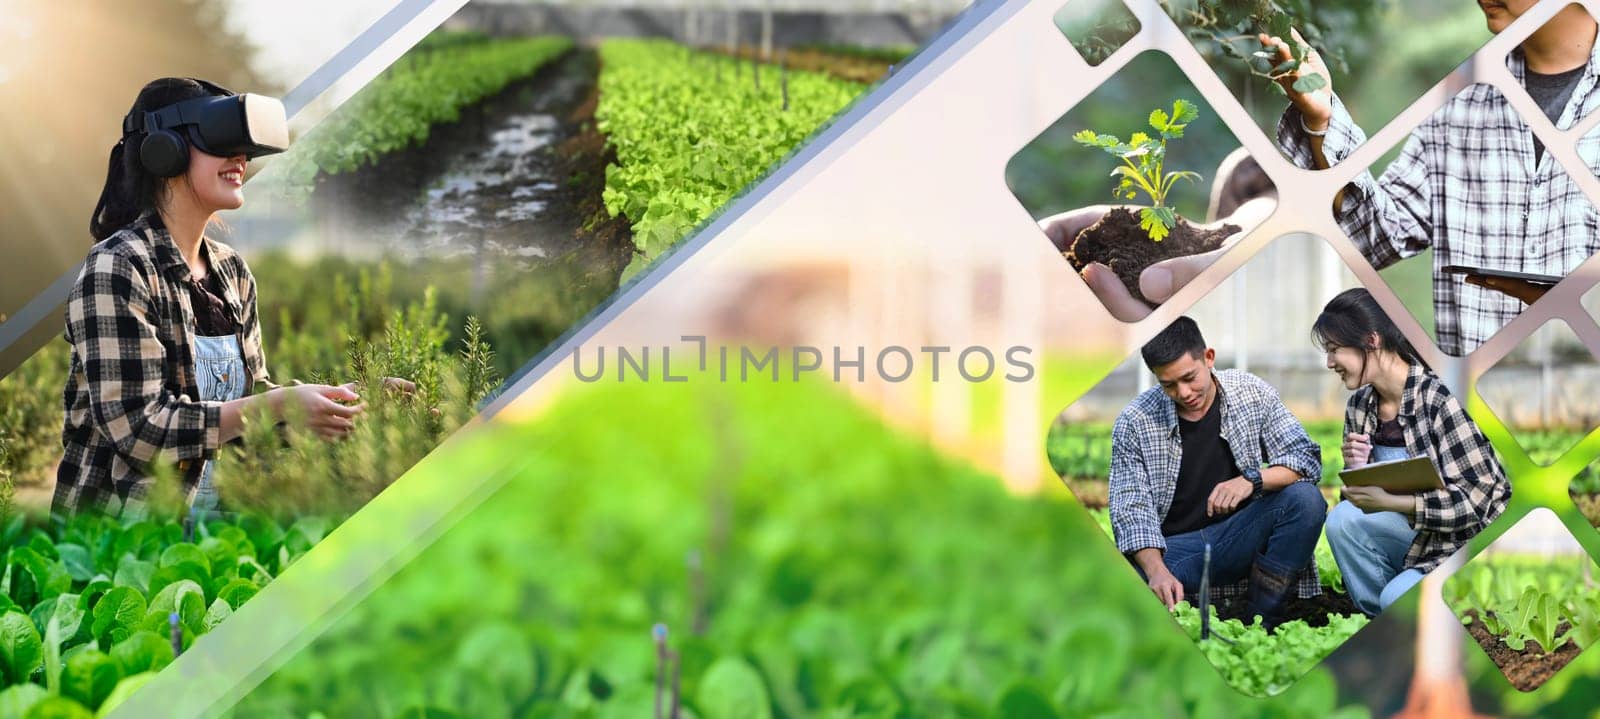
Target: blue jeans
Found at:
x=1371, y=548
x=1371, y=551
x=1277, y=530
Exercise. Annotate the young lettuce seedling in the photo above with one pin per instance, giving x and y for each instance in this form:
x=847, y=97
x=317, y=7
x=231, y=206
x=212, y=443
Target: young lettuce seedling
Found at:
x=1143, y=167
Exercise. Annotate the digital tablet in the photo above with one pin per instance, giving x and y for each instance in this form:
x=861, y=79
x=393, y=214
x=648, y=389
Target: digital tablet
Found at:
x=1402, y=476
x=1548, y=280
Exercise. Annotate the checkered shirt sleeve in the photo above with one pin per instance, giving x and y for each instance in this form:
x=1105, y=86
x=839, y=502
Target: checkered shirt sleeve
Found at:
x=1135, y=518
x=112, y=320
x=1466, y=185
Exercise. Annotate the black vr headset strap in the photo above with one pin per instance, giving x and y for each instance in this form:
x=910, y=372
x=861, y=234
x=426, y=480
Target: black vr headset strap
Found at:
x=171, y=116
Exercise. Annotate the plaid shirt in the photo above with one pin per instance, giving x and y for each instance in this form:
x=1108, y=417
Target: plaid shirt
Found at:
x=1475, y=486
x=130, y=394
x=1146, y=450
x=1466, y=185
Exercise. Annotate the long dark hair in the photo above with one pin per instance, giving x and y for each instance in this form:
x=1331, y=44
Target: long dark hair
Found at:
x=130, y=191
x=1351, y=317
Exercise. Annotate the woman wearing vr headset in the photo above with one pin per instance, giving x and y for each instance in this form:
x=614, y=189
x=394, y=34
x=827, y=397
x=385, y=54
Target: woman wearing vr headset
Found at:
x=166, y=344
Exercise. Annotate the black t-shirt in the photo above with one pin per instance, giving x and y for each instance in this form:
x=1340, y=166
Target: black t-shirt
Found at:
x=1207, y=462
x=1552, y=93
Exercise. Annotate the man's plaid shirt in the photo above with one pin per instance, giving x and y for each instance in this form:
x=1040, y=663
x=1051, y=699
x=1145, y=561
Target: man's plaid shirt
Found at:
x=1147, y=449
x=1475, y=486
x=130, y=396
x=1466, y=185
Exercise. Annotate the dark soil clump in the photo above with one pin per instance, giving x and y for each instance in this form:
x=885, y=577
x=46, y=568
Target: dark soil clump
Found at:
x=1530, y=668
x=1118, y=242
x=1313, y=611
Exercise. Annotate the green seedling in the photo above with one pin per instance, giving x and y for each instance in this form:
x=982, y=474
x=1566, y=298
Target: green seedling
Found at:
x=1143, y=165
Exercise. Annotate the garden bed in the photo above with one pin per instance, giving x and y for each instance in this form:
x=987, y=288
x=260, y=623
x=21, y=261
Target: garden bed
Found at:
x=862, y=68
x=1529, y=668
x=1531, y=613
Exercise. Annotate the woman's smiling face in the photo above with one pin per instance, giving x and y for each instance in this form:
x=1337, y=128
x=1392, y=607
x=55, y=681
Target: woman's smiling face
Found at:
x=218, y=182
x=1349, y=363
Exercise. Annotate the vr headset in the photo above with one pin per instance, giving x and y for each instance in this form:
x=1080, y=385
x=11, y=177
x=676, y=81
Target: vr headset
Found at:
x=224, y=124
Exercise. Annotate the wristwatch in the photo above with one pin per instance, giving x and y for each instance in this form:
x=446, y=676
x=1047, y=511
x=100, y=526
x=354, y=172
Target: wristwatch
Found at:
x=1254, y=475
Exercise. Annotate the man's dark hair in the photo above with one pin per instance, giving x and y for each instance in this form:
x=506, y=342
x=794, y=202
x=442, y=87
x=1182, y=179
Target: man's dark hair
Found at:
x=1180, y=338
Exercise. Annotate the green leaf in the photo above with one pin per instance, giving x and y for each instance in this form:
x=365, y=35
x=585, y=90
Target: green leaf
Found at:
x=17, y=699
x=1184, y=112
x=78, y=563
x=1158, y=119
x=1310, y=83
x=52, y=656
x=1024, y=701
x=1279, y=25
x=1157, y=222
x=217, y=613
x=187, y=572
x=125, y=688
x=89, y=677
x=58, y=708
x=732, y=689
x=237, y=592
x=179, y=553
x=134, y=572
x=184, y=597
x=117, y=614
x=142, y=651
x=1286, y=66
x=45, y=577
x=21, y=649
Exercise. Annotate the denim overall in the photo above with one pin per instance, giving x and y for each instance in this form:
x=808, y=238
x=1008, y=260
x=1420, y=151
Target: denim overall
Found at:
x=221, y=376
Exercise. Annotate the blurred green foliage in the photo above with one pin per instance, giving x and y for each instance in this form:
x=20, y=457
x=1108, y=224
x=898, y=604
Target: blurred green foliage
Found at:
x=807, y=562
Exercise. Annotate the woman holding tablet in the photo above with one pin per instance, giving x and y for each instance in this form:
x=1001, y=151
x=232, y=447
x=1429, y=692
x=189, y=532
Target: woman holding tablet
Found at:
x=1384, y=542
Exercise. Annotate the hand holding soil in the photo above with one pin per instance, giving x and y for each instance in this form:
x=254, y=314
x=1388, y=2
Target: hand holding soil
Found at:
x=1315, y=103
x=1131, y=275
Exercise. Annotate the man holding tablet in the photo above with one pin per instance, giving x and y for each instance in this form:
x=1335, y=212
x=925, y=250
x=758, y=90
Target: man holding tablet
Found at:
x=1472, y=182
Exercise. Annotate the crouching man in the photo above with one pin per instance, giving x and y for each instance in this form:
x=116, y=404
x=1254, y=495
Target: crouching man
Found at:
x=1214, y=458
